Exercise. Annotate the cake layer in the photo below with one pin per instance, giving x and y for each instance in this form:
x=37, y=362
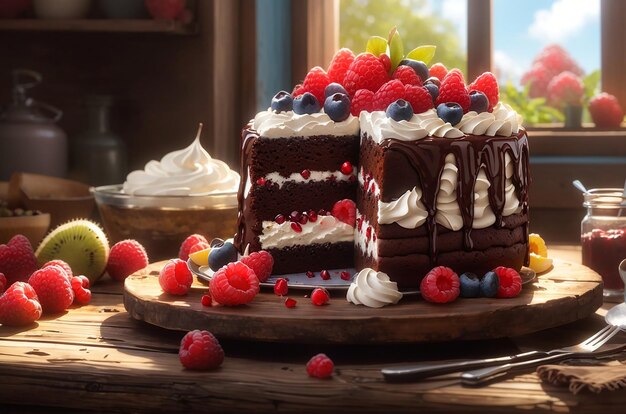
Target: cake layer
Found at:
x=314, y=257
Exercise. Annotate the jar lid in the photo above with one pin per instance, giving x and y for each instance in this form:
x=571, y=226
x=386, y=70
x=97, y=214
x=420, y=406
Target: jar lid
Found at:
x=605, y=197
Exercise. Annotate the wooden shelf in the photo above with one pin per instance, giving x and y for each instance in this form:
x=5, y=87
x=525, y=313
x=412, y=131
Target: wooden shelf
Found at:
x=100, y=25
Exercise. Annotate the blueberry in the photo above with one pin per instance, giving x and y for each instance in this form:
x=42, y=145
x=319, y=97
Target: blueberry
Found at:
x=489, y=285
x=433, y=89
x=306, y=103
x=478, y=101
x=220, y=256
x=399, y=110
x=337, y=107
x=450, y=112
x=334, y=88
x=282, y=101
x=434, y=80
x=418, y=66
x=470, y=285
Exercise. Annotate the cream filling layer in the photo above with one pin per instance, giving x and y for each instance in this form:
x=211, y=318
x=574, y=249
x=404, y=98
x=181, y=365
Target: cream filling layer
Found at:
x=327, y=229
x=315, y=176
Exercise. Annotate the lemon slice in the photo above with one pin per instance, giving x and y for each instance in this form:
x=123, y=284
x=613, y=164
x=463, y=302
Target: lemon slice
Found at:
x=201, y=257
x=537, y=245
x=539, y=264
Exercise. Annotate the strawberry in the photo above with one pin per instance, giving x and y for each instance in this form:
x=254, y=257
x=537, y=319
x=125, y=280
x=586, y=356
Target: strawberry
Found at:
x=606, y=111
x=439, y=71
x=363, y=100
x=261, y=262
x=387, y=94
x=453, y=90
x=339, y=65
x=19, y=305
x=487, y=84
x=345, y=211
x=419, y=98
x=365, y=72
x=17, y=259
x=407, y=76
x=315, y=82
x=125, y=258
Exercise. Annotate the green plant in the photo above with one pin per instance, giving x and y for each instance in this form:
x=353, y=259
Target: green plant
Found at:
x=532, y=110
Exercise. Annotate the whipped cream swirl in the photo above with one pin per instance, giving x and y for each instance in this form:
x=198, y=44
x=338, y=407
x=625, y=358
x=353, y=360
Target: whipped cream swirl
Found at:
x=483, y=214
x=377, y=125
x=327, y=229
x=408, y=210
x=190, y=171
x=270, y=124
x=373, y=289
x=503, y=121
x=448, y=211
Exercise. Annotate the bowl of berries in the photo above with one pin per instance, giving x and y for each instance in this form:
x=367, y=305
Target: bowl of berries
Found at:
x=31, y=223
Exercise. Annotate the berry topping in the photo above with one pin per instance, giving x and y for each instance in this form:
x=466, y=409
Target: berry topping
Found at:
x=320, y=366
x=478, y=101
x=419, y=98
x=433, y=90
x=334, y=88
x=407, y=76
x=260, y=181
x=3, y=282
x=400, y=110
x=440, y=285
x=315, y=82
x=325, y=275
x=200, y=350
x=282, y=102
x=487, y=84
x=19, y=305
x=453, y=90
x=54, y=290
x=312, y=216
x=281, y=288
x=128, y=256
x=387, y=94
x=234, y=284
x=206, y=300
x=337, y=107
x=345, y=211
x=310, y=274
x=418, y=66
x=345, y=275
x=17, y=259
x=306, y=103
x=63, y=265
x=320, y=296
x=386, y=61
x=183, y=253
x=305, y=174
x=470, y=285
x=434, y=80
x=363, y=100
x=438, y=70
x=296, y=227
x=339, y=65
x=510, y=282
x=606, y=111
x=365, y=72
x=280, y=219
x=175, y=277
x=450, y=112
x=489, y=285
x=290, y=303
x=222, y=255
x=346, y=168
x=261, y=262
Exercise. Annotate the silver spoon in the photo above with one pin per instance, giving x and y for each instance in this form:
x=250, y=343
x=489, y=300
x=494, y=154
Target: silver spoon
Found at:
x=579, y=186
x=622, y=272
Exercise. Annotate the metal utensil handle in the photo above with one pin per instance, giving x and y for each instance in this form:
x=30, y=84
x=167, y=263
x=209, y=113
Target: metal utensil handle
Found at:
x=26, y=78
x=417, y=372
x=54, y=111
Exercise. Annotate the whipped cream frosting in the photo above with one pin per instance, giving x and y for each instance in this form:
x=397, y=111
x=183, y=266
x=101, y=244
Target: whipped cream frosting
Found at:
x=190, y=171
x=327, y=229
x=378, y=126
x=448, y=211
x=270, y=124
x=503, y=121
x=408, y=210
x=277, y=178
x=373, y=289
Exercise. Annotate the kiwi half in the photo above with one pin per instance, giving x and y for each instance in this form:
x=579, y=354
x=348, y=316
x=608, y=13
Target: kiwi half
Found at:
x=81, y=243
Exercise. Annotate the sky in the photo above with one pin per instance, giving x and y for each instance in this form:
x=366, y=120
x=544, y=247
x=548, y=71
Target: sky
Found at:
x=523, y=28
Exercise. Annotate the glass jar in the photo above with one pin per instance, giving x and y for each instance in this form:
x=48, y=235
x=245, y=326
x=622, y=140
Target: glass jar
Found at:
x=603, y=237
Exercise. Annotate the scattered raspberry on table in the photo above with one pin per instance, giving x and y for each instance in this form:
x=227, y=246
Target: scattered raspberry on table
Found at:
x=200, y=350
x=320, y=366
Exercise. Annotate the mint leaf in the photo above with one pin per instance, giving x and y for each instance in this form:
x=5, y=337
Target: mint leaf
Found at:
x=396, y=49
x=376, y=45
x=424, y=53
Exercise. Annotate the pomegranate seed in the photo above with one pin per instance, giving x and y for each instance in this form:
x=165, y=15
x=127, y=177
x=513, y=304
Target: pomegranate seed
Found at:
x=295, y=216
x=269, y=184
x=321, y=212
x=325, y=275
x=280, y=287
x=304, y=219
x=352, y=178
x=374, y=237
x=280, y=219
x=206, y=300
x=346, y=168
x=368, y=232
x=305, y=174
x=310, y=274
x=290, y=303
x=312, y=216
x=320, y=296
x=345, y=275
x=296, y=227
x=261, y=181
x=332, y=178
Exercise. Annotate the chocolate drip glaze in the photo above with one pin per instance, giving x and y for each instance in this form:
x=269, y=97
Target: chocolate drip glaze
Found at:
x=427, y=158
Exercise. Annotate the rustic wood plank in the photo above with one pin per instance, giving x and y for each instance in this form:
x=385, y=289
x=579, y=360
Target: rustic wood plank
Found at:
x=99, y=25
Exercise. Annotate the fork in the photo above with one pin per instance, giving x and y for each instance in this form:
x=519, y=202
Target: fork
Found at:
x=586, y=347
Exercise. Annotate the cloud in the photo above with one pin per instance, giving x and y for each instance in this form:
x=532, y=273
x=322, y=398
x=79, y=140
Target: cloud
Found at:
x=564, y=19
x=507, y=68
x=456, y=12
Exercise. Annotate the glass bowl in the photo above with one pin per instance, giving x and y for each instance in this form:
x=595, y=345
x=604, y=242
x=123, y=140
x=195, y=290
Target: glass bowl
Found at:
x=161, y=223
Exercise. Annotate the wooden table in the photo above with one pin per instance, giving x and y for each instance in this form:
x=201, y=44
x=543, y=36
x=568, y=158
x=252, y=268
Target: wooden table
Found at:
x=98, y=358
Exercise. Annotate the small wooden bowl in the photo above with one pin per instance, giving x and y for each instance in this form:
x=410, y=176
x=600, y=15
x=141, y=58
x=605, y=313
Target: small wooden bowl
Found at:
x=33, y=227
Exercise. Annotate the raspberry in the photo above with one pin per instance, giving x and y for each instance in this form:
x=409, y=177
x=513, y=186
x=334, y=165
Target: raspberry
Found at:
x=53, y=288
x=419, y=98
x=365, y=72
x=80, y=286
x=345, y=210
x=234, y=284
x=487, y=84
x=320, y=366
x=17, y=259
x=315, y=82
x=125, y=258
x=557, y=60
x=606, y=111
x=440, y=285
x=453, y=90
x=19, y=305
x=387, y=94
x=565, y=89
x=281, y=288
x=439, y=71
x=175, y=277
x=297, y=91
x=63, y=265
x=3, y=282
x=261, y=262
x=199, y=246
x=407, y=76
x=320, y=296
x=455, y=72
x=363, y=101
x=510, y=282
x=339, y=65
x=538, y=77
x=290, y=303
x=206, y=300
x=386, y=61
x=183, y=253
x=200, y=350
